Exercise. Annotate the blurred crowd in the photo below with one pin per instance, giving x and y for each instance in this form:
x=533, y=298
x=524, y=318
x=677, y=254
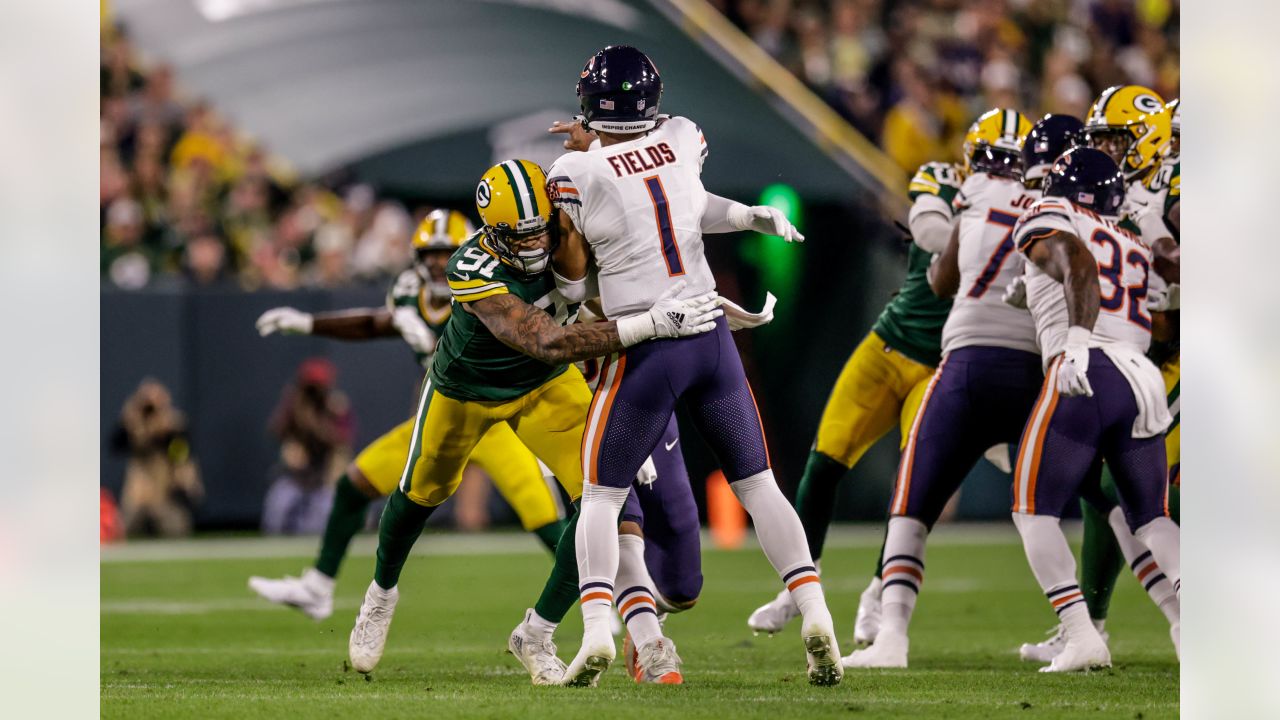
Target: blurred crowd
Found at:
x=183, y=195
x=912, y=74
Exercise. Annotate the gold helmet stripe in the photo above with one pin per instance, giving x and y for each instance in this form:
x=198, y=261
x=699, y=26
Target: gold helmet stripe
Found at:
x=441, y=228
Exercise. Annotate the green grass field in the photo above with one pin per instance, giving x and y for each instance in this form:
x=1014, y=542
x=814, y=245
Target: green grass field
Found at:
x=182, y=636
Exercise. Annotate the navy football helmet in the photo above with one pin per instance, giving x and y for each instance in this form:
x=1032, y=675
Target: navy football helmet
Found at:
x=620, y=90
x=1050, y=137
x=1089, y=178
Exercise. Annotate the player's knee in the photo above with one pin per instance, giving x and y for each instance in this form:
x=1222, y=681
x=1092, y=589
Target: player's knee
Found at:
x=361, y=483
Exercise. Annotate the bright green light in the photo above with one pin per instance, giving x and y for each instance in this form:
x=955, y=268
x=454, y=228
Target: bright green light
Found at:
x=786, y=199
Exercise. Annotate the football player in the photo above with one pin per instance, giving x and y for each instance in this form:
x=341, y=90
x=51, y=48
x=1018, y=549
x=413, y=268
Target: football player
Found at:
x=1102, y=398
x=419, y=304
x=636, y=207
x=1133, y=126
x=505, y=357
x=988, y=379
x=880, y=386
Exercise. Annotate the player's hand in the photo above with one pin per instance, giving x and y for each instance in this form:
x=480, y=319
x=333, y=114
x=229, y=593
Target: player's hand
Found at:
x=284, y=320
x=740, y=318
x=769, y=220
x=1164, y=299
x=578, y=138
x=1073, y=369
x=414, y=330
x=648, y=472
x=1016, y=293
x=680, y=318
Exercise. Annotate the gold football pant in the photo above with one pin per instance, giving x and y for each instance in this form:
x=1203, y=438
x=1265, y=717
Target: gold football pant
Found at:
x=508, y=463
x=1172, y=372
x=548, y=420
x=877, y=388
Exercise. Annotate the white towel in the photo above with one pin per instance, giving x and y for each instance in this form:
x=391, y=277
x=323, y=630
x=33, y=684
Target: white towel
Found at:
x=1148, y=389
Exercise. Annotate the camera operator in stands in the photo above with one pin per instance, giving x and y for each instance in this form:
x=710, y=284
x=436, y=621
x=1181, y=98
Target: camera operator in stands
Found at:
x=162, y=482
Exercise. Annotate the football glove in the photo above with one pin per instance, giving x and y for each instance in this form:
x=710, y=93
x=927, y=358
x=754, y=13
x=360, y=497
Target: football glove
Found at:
x=671, y=317
x=284, y=320
x=1016, y=293
x=414, y=331
x=1073, y=369
x=648, y=472
x=765, y=220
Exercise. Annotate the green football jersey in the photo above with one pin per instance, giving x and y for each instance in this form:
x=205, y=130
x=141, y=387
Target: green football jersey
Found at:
x=410, y=291
x=912, y=322
x=1172, y=196
x=472, y=364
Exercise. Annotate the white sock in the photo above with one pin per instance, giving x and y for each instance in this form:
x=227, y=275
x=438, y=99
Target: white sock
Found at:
x=539, y=624
x=636, y=603
x=1163, y=538
x=1099, y=625
x=597, y=549
x=902, y=572
x=1055, y=569
x=782, y=538
x=1145, y=568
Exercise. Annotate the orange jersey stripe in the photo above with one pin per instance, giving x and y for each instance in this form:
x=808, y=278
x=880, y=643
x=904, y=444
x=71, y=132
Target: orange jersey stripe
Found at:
x=806, y=579
x=899, y=505
x=602, y=422
x=566, y=190
x=607, y=597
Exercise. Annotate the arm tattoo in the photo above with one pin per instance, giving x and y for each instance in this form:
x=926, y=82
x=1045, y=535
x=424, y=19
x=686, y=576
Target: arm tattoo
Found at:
x=532, y=331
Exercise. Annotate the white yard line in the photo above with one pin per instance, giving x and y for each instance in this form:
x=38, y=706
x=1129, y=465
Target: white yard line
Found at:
x=499, y=543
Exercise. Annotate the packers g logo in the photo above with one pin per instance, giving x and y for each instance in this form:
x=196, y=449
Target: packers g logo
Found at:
x=484, y=194
x=1148, y=103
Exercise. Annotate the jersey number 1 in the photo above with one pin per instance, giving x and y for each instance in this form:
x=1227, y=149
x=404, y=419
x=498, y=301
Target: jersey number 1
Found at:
x=662, y=214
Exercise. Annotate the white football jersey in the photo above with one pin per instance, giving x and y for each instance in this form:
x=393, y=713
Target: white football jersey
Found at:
x=639, y=204
x=1124, y=267
x=989, y=207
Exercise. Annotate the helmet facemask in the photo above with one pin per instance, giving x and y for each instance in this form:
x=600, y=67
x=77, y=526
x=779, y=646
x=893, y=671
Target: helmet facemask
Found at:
x=520, y=251
x=435, y=282
x=986, y=158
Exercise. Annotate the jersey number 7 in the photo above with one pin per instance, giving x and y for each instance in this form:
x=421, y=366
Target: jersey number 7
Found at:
x=666, y=231
x=989, y=273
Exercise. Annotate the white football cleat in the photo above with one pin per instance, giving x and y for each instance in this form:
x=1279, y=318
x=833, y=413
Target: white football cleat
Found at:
x=775, y=614
x=312, y=593
x=657, y=663
x=822, y=653
x=593, y=658
x=1046, y=650
x=536, y=652
x=866, y=625
x=1081, y=654
x=889, y=651
x=369, y=636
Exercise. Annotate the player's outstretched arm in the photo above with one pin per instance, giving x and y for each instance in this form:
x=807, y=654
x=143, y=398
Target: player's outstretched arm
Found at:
x=364, y=324
x=944, y=272
x=723, y=215
x=534, y=333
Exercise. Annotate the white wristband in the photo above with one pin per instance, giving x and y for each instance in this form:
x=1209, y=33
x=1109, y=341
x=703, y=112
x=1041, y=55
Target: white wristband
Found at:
x=635, y=329
x=1078, y=336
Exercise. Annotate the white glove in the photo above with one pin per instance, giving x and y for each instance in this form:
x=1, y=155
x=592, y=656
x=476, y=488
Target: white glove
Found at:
x=766, y=220
x=1016, y=293
x=1164, y=299
x=414, y=330
x=648, y=472
x=1073, y=377
x=670, y=317
x=740, y=318
x=284, y=320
